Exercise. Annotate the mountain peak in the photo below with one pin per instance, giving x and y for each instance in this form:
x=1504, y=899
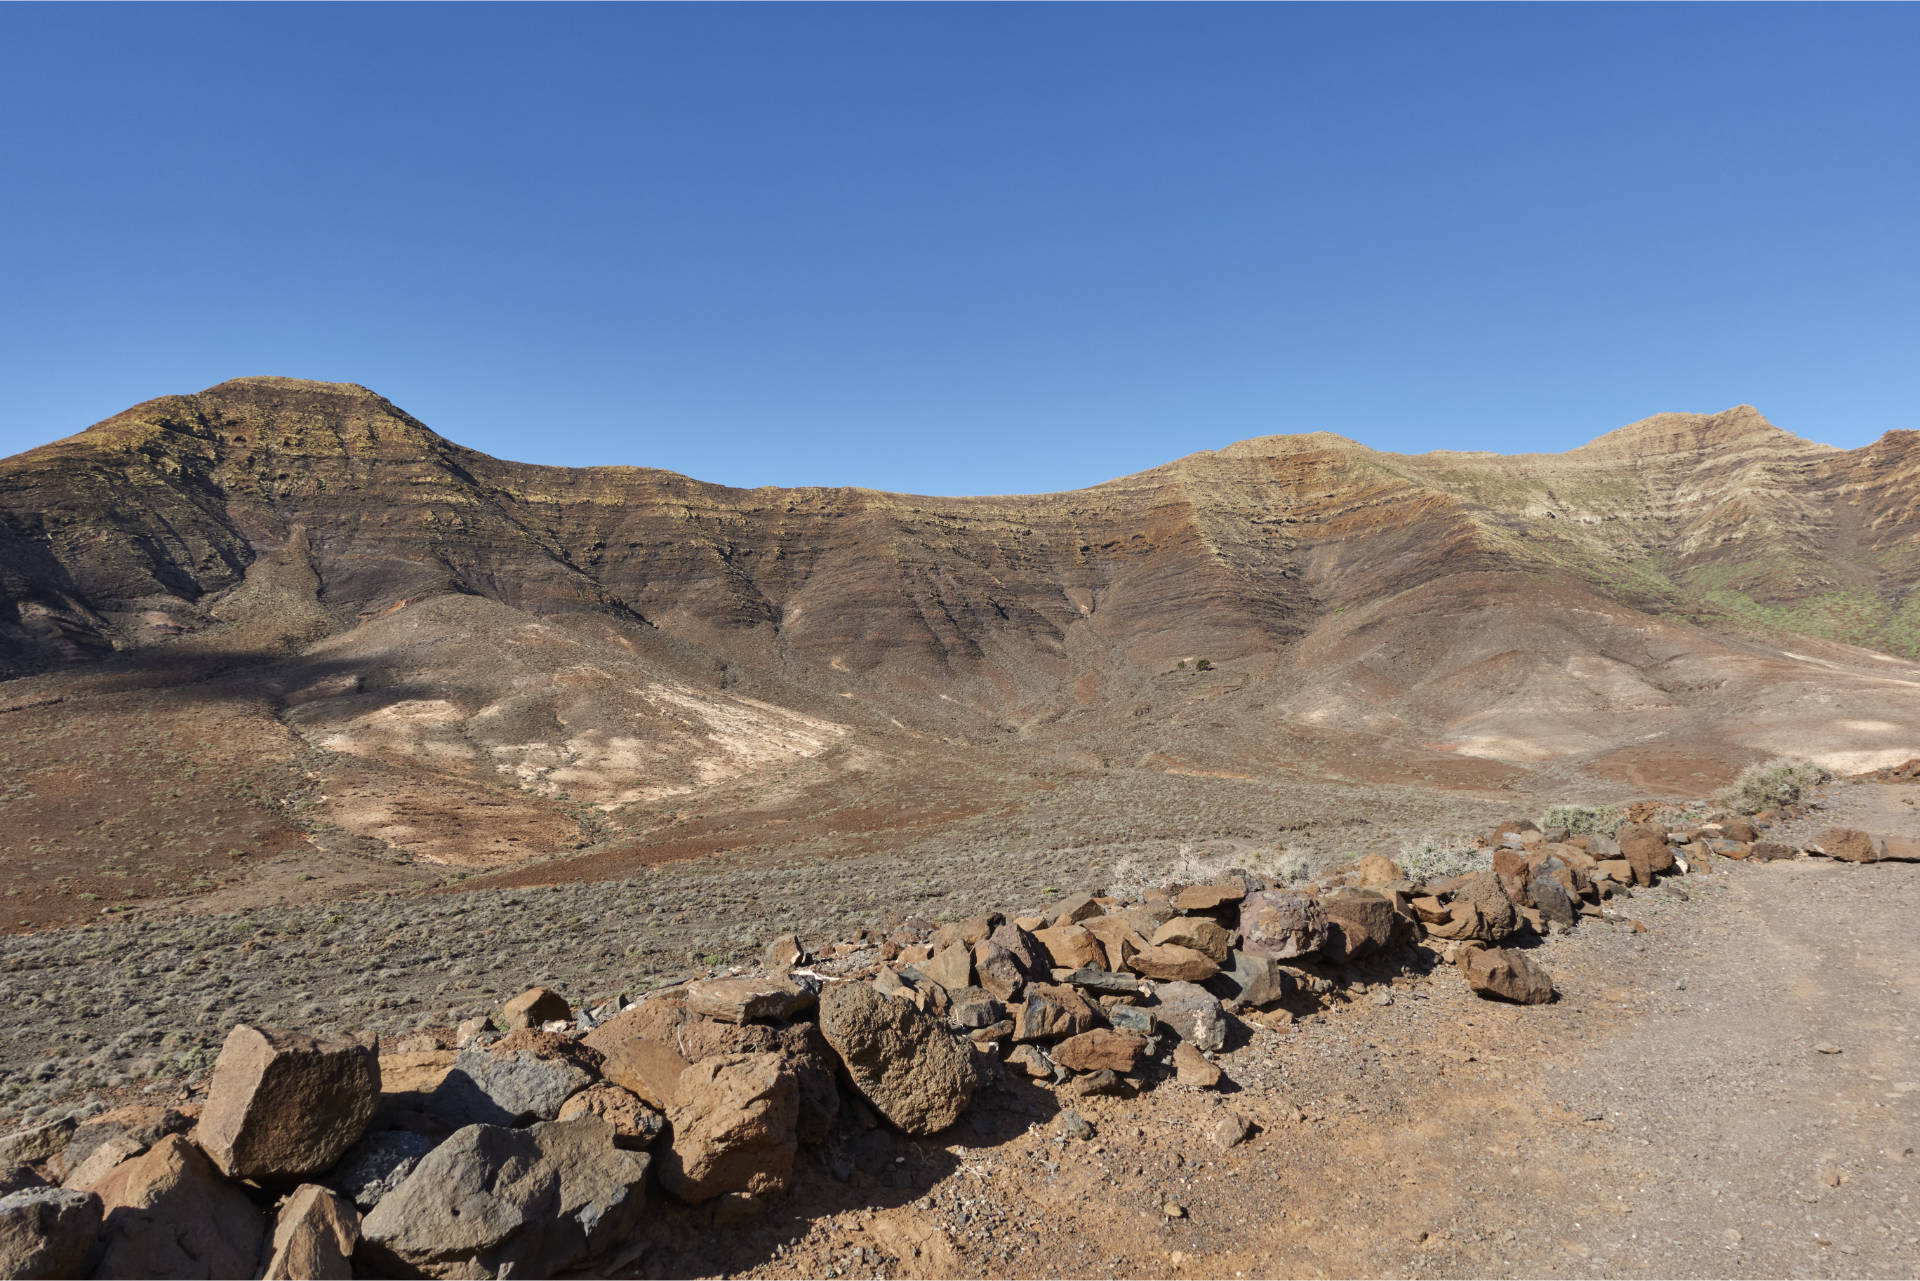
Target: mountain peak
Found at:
x=1741, y=427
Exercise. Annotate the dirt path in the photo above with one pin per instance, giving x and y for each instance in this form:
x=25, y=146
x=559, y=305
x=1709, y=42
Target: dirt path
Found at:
x=1673, y=1114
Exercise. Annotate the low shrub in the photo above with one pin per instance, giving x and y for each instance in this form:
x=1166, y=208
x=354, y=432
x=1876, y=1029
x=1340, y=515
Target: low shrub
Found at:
x=1579, y=820
x=1776, y=784
x=1436, y=858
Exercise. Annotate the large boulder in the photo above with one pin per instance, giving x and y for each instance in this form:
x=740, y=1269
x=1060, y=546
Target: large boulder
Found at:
x=536, y=1201
x=913, y=1071
x=735, y=1128
x=523, y=1078
x=1359, y=923
x=314, y=1235
x=169, y=1213
x=1281, y=924
x=46, y=1232
x=282, y=1105
x=1505, y=973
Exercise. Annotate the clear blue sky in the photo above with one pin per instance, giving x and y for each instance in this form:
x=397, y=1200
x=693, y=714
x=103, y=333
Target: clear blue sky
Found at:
x=959, y=249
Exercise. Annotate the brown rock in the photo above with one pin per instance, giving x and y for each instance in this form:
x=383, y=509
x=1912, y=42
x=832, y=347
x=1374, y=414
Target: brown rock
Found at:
x=282, y=1105
x=1194, y=1069
x=735, y=1125
x=1359, y=923
x=1171, y=961
x=1070, y=948
x=1739, y=829
x=314, y=1234
x=1848, y=844
x=46, y=1232
x=1281, y=924
x=966, y=933
x=1505, y=973
x=1000, y=972
x=647, y=1046
x=1498, y=918
x=1101, y=1049
x=951, y=967
x=635, y=1125
x=1201, y=934
x=533, y=1007
x=1430, y=910
x=1769, y=851
x=783, y=953
x=1511, y=869
x=910, y=1068
x=168, y=1213
x=1220, y=896
x=1118, y=939
x=1644, y=847
x=762, y=999
x=1050, y=1012
x=1376, y=870
x=1076, y=909
x=1019, y=941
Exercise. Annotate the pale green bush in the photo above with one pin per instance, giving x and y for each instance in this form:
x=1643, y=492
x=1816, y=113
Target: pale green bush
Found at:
x=1776, y=784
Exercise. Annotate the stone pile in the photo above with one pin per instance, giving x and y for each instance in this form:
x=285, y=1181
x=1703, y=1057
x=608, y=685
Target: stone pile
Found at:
x=529, y=1144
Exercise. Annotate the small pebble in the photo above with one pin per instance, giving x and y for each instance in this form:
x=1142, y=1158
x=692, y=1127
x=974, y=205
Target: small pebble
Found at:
x=1826, y=1047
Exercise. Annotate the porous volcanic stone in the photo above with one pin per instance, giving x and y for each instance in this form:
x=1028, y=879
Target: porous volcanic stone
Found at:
x=168, y=1213
x=283, y=1106
x=1281, y=924
x=537, y=1201
x=314, y=1234
x=913, y=1071
x=46, y=1232
x=734, y=1125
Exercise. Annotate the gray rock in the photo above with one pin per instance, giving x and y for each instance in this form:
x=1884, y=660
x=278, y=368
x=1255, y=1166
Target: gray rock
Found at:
x=488, y=1088
x=46, y=1232
x=910, y=1068
x=532, y=1202
x=1131, y=1018
x=1191, y=1013
x=975, y=1007
x=1552, y=900
x=378, y=1164
x=1105, y=981
x=19, y=1178
x=1259, y=982
x=1075, y=1126
x=1281, y=924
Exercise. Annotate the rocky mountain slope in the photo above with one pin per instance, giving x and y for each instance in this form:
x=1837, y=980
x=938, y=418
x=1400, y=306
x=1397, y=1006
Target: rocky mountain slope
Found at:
x=360, y=641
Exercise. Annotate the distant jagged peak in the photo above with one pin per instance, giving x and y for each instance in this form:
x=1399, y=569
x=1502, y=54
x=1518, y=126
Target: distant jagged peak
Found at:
x=1740, y=428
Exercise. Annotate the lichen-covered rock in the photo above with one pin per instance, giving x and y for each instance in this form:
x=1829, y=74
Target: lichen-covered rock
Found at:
x=915, y=1073
x=282, y=1105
